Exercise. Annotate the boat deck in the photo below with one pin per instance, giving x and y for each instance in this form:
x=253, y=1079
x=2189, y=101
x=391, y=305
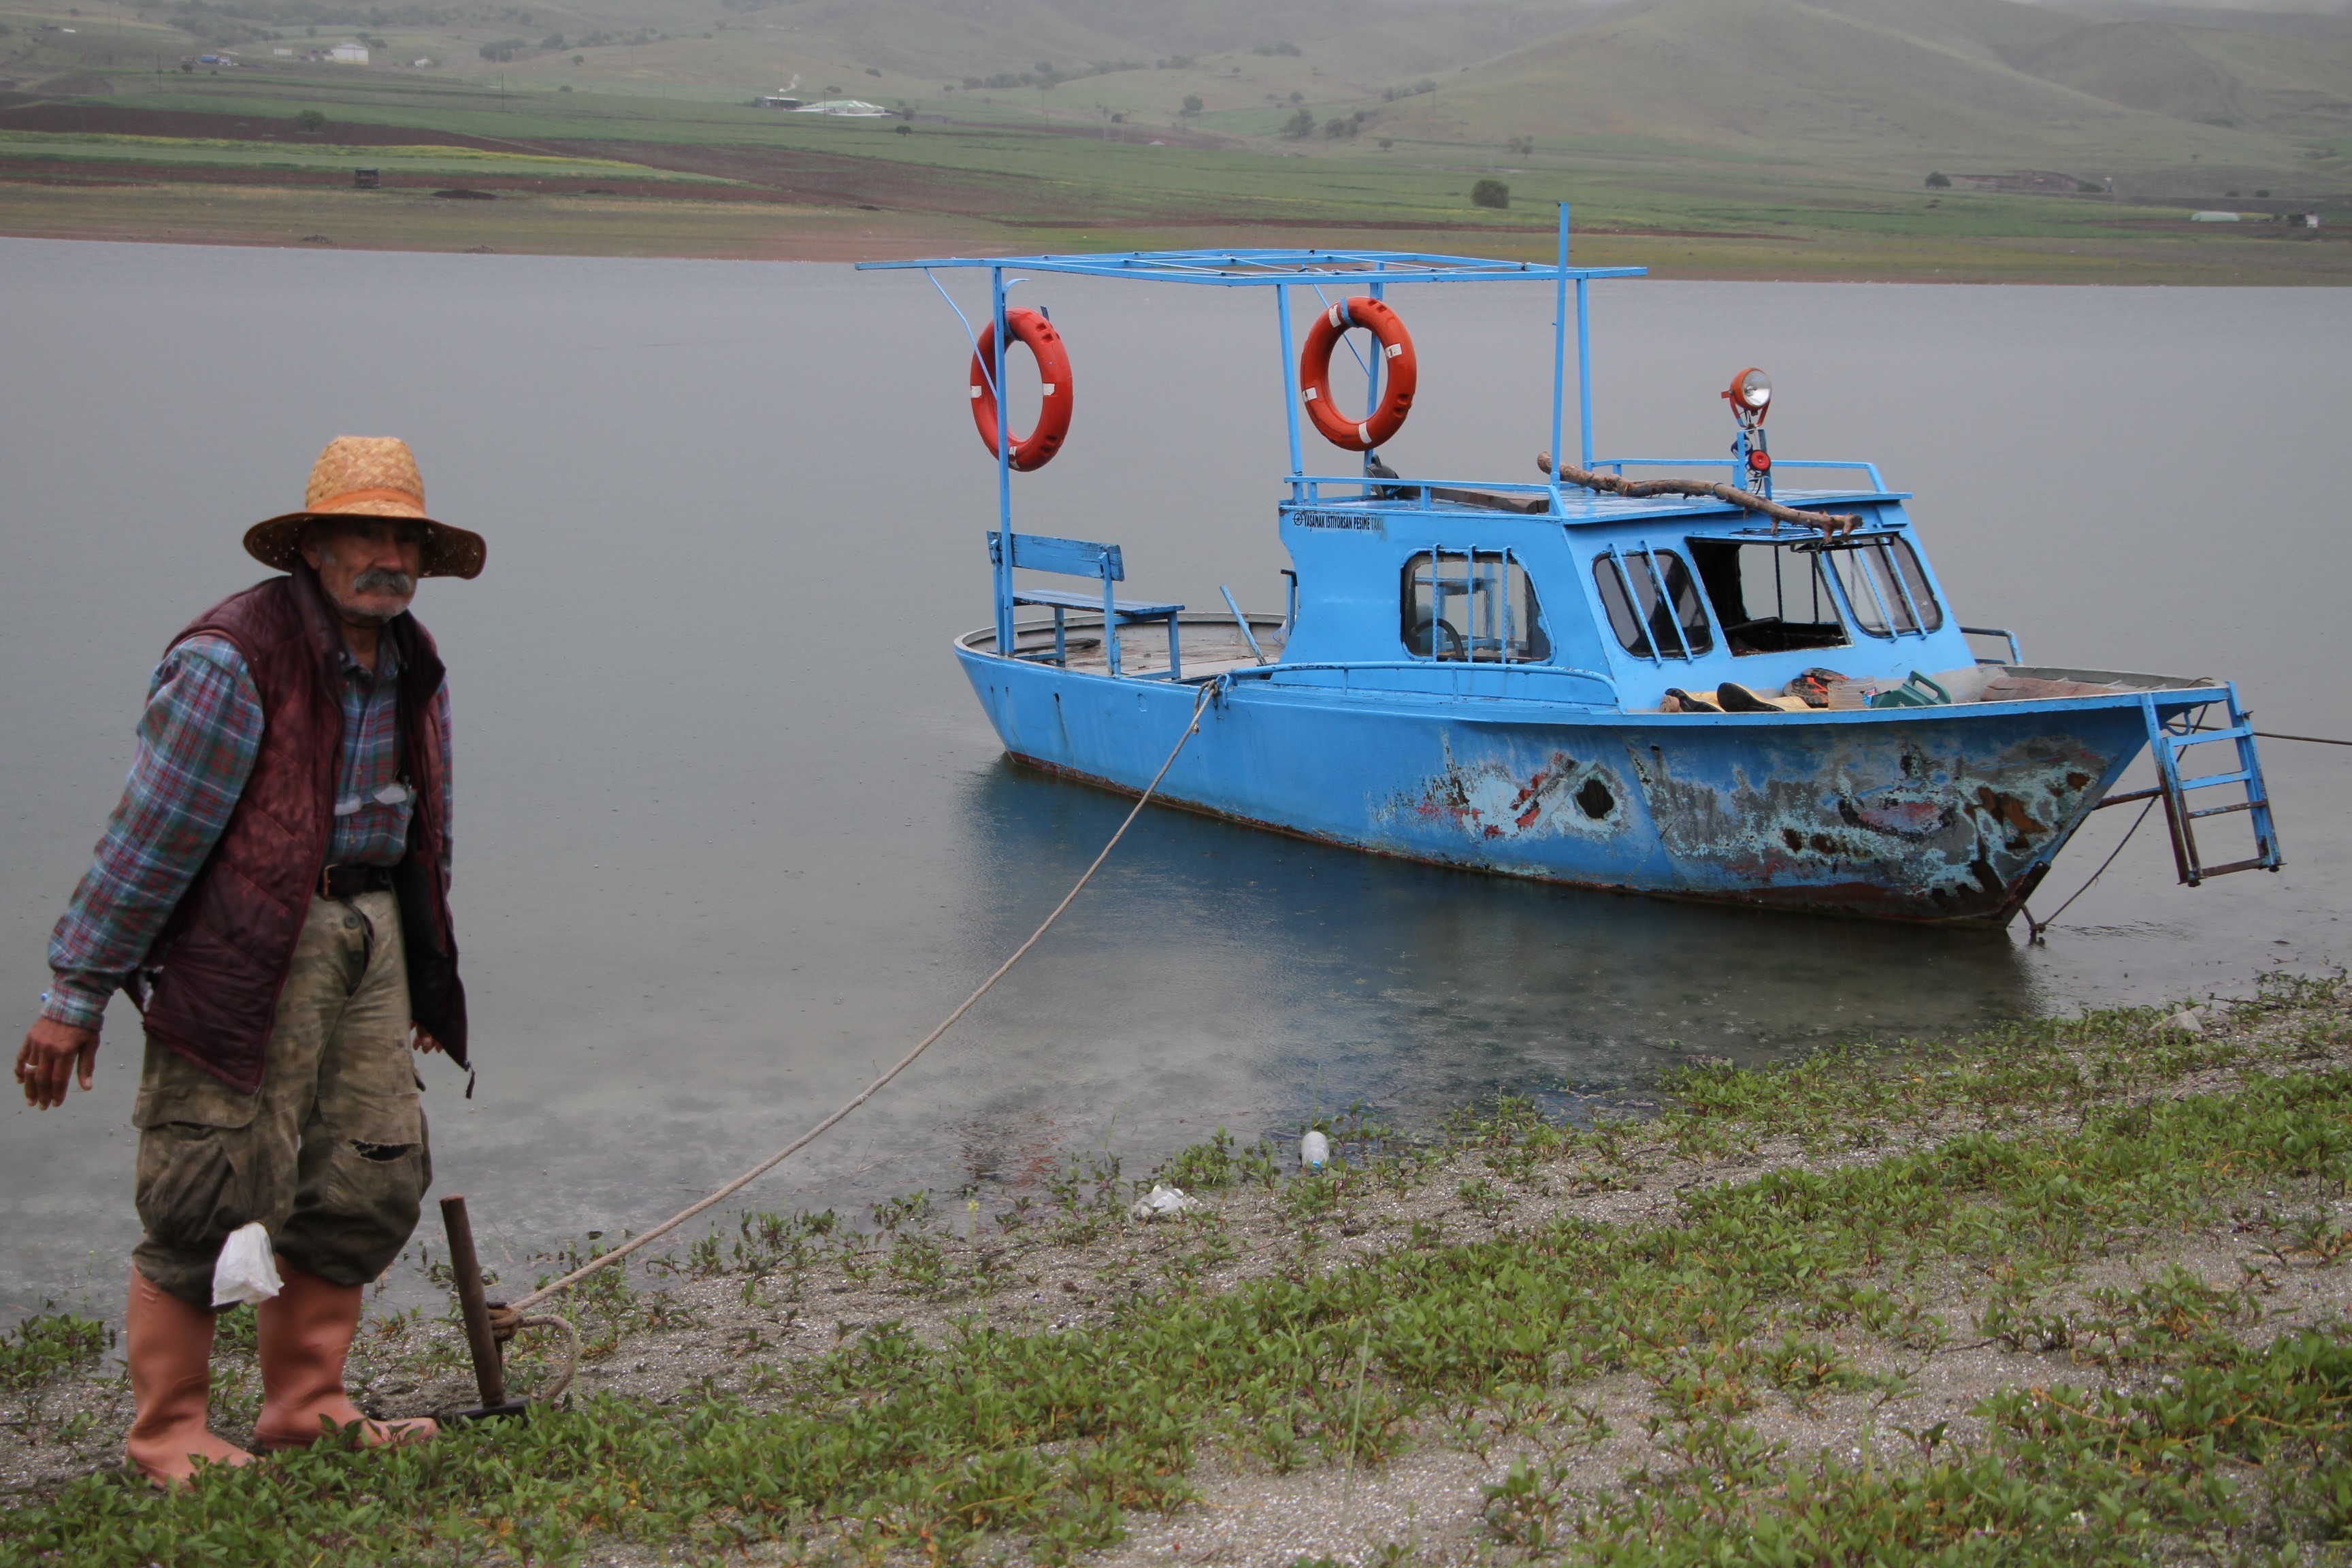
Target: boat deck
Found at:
x=1207, y=645
x=1211, y=644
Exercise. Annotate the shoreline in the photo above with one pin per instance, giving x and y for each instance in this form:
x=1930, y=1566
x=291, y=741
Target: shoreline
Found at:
x=686, y=223
x=1468, y=1346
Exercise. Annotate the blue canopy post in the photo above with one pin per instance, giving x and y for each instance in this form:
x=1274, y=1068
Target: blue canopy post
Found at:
x=1373, y=365
x=1289, y=379
x=1005, y=632
x=1583, y=354
x=1559, y=356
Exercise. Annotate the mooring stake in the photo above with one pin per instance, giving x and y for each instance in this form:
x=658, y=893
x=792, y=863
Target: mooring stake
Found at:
x=489, y=1368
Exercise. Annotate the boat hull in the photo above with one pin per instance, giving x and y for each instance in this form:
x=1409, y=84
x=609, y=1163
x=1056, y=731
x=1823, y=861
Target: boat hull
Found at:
x=1949, y=814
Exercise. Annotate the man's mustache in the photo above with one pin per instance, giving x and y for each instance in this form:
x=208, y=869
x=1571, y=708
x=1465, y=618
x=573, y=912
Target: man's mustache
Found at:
x=379, y=578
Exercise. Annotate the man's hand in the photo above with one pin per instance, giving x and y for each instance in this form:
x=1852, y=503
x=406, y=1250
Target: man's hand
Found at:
x=53, y=1053
x=423, y=1042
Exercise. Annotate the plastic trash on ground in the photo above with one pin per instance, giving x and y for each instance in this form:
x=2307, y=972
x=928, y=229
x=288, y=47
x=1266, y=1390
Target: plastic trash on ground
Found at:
x=247, y=1269
x=1313, y=1151
x=2188, y=1021
x=1163, y=1202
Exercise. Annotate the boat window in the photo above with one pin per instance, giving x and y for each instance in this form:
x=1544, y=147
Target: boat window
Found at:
x=1886, y=586
x=1638, y=612
x=1472, y=605
x=1770, y=596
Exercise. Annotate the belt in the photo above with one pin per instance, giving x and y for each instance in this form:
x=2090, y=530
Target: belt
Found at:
x=350, y=881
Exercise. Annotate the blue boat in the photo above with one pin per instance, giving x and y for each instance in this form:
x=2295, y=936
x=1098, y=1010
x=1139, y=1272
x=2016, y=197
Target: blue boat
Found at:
x=1673, y=676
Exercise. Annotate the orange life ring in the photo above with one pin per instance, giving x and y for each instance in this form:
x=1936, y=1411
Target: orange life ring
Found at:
x=1315, y=374
x=1037, y=448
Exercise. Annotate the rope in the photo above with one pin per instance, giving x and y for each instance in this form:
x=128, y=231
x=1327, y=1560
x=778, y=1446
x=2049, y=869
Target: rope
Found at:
x=2035, y=928
x=1200, y=706
x=554, y=1391
x=506, y=1323
x=2313, y=740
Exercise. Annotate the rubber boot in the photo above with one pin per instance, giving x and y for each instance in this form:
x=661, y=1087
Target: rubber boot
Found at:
x=169, y=1345
x=305, y=1333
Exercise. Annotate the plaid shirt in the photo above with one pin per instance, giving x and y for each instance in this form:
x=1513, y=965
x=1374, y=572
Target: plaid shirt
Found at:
x=197, y=742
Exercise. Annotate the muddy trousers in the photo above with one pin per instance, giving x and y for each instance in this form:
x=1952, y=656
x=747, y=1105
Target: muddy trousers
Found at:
x=330, y=1155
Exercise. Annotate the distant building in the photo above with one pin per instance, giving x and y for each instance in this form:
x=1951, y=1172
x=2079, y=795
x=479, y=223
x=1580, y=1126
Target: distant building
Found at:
x=367, y=179
x=421, y=65
x=348, y=54
x=2212, y=218
x=287, y=53
x=779, y=101
x=846, y=108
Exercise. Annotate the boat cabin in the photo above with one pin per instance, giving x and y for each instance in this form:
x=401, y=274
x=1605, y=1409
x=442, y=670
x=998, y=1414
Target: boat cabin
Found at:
x=1655, y=593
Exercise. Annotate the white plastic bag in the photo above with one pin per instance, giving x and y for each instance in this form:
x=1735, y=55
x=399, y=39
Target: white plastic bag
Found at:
x=1163, y=1202
x=247, y=1269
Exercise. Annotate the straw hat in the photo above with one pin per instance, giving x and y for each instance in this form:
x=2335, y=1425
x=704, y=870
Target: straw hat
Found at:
x=367, y=476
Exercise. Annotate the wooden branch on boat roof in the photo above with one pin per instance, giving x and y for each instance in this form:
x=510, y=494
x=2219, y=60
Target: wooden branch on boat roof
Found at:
x=1831, y=524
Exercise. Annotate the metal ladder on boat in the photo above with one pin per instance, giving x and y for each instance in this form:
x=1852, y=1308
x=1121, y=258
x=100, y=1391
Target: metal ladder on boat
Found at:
x=2166, y=745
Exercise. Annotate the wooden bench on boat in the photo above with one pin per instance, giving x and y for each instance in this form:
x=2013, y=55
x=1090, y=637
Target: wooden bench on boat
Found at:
x=1082, y=558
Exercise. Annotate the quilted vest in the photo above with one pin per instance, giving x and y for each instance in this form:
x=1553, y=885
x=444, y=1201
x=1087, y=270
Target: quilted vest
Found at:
x=211, y=982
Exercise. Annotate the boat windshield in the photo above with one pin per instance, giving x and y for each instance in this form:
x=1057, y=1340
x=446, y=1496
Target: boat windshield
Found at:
x=1475, y=606
x=1629, y=579
x=1770, y=595
x=1886, y=586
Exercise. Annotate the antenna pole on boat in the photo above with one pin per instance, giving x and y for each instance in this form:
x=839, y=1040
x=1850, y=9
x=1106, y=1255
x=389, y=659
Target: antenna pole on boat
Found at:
x=1583, y=345
x=1560, y=352
x=1289, y=377
x=1003, y=467
x=1373, y=366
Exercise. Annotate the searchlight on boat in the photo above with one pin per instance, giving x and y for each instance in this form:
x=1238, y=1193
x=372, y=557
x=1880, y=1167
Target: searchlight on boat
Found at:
x=1750, y=396
x=1751, y=390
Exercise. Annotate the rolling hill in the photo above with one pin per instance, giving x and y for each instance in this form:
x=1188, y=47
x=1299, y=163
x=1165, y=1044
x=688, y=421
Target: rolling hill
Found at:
x=1864, y=84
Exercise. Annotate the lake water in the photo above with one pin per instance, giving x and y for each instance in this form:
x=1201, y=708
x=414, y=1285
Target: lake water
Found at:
x=733, y=832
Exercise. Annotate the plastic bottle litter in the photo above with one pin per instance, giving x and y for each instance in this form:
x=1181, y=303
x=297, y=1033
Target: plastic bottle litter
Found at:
x=1163, y=1202
x=1313, y=1151
x=247, y=1269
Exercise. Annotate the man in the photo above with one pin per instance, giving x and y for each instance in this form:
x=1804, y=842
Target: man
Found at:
x=273, y=894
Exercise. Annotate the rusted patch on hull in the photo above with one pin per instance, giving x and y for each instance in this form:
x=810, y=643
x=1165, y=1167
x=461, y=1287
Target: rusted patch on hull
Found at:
x=1892, y=822
x=1490, y=800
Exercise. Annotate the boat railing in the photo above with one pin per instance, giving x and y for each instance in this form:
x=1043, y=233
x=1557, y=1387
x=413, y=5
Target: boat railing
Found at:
x=1539, y=682
x=2016, y=656
x=1619, y=466
x=1309, y=489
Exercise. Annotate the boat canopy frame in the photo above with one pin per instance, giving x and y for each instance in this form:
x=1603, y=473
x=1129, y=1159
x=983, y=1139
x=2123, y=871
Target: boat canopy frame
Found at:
x=1282, y=269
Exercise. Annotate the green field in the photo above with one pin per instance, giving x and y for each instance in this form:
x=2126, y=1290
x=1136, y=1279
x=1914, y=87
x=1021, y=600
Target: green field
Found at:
x=196, y=152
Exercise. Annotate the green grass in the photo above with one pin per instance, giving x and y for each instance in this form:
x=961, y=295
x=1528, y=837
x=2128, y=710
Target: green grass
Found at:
x=199, y=152
x=2019, y=1158
x=47, y=1345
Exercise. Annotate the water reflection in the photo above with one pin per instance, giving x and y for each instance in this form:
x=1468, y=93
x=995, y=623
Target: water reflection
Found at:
x=1342, y=976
